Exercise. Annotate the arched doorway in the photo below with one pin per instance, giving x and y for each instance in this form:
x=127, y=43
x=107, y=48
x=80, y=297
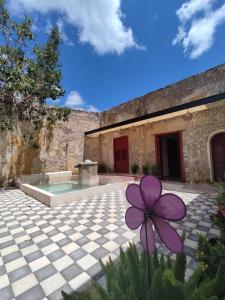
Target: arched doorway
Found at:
x=218, y=156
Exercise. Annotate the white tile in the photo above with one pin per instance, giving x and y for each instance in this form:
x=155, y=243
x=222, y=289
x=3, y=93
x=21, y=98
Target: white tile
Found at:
x=9, y=250
x=41, y=222
x=4, y=281
x=32, y=229
x=15, y=264
x=69, y=248
x=5, y=239
x=40, y=238
x=111, y=235
x=48, y=229
x=39, y=263
x=129, y=235
x=22, y=239
x=2, y=230
x=29, y=249
x=79, y=281
x=97, y=221
x=111, y=246
x=191, y=244
x=96, y=227
x=24, y=284
x=93, y=236
x=87, y=261
x=111, y=227
x=1, y=262
x=76, y=236
x=64, y=228
x=53, y=283
x=58, y=237
x=90, y=247
x=80, y=228
x=54, y=222
x=63, y=262
x=69, y=221
x=49, y=249
x=26, y=223
x=16, y=230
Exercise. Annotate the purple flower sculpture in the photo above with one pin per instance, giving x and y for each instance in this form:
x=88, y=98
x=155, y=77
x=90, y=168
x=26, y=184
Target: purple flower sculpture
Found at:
x=150, y=207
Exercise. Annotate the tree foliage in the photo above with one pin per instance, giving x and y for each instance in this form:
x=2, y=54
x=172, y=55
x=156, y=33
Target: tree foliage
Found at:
x=29, y=74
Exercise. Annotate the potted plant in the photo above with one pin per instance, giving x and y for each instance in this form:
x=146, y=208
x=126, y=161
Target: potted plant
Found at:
x=155, y=170
x=145, y=169
x=135, y=168
x=102, y=168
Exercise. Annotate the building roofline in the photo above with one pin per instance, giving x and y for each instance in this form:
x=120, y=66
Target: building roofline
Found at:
x=177, y=108
x=166, y=86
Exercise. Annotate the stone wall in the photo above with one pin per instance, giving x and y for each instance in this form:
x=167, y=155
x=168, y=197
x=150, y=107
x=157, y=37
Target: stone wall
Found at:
x=29, y=151
x=196, y=87
x=196, y=136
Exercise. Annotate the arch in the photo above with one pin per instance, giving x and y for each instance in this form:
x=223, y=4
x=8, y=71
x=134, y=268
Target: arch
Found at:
x=209, y=150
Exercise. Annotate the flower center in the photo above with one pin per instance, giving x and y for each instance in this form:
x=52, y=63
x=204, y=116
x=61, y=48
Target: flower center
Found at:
x=148, y=214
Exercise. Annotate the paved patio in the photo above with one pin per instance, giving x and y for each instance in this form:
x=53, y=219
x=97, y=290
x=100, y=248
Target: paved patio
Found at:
x=45, y=250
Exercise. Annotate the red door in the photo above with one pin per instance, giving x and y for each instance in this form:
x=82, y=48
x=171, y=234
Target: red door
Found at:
x=218, y=155
x=121, y=157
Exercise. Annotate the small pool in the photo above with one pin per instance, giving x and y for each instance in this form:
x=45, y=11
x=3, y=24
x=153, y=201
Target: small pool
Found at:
x=62, y=187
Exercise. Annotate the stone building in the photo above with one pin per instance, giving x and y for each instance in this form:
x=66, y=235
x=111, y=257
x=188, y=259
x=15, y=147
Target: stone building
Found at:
x=180, y=128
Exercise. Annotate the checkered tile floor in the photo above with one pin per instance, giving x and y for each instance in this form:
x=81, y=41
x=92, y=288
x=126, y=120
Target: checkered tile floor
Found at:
x=45, y=250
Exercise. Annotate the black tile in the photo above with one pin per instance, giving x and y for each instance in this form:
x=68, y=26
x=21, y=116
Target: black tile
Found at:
x=71, y=272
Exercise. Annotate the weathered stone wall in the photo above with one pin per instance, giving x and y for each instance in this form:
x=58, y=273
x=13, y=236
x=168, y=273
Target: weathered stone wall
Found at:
x=196, y=134
x=196, y=87
x=28, y=151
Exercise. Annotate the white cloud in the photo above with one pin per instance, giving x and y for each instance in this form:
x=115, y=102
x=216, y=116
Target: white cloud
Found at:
x=99, y=22
x=74, y=100
x=63, y=34
x=199, y=22
x=92, y=108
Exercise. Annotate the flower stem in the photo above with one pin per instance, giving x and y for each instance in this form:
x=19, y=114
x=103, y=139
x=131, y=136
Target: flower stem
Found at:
x=148, y=261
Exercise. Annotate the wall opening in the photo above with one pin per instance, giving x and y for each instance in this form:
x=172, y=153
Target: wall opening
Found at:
x=169, y=155
x=218, y=156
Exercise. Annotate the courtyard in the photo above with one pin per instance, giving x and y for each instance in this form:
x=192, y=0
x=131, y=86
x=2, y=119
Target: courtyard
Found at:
x=46, y=250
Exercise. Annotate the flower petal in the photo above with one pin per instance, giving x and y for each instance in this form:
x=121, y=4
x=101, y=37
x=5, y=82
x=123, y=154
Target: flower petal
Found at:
x=134, y=217
x=168, y=235
x=170, y=207
x=134, y=197
x=151, y=189
x=147, y=238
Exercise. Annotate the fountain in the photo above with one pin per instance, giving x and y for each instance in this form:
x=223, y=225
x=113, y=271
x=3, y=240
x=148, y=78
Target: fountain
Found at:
x=88, y=173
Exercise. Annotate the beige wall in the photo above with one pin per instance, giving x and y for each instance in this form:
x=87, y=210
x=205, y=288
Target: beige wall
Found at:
x=196, y=135
x=29, y=151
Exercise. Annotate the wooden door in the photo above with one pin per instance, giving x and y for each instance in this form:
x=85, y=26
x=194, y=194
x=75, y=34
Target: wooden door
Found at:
x=121, y=155
x=218, y=156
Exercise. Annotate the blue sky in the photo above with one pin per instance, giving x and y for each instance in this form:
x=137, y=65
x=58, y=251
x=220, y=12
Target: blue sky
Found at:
x=116, y=50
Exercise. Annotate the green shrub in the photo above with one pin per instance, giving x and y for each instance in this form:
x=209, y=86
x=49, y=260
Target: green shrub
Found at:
x=143, y=277
x=155, y=170
x=220, y=200
x=135, y=168
x=102, y=168
x=145, y=169
x=151, y=169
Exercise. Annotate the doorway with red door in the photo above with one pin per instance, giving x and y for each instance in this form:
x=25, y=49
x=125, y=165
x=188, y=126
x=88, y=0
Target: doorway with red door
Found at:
x=121, y=154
